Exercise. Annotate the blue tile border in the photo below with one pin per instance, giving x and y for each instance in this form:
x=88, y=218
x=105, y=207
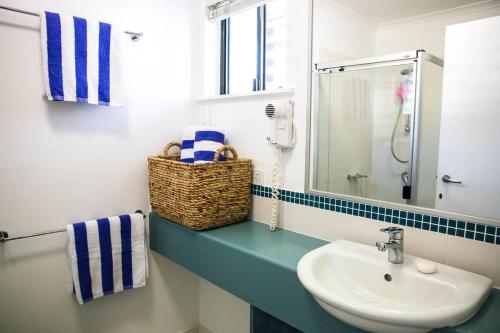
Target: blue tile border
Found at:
x=452, y=227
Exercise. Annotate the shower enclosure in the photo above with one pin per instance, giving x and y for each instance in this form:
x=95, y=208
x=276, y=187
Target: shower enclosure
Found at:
x=376, y=127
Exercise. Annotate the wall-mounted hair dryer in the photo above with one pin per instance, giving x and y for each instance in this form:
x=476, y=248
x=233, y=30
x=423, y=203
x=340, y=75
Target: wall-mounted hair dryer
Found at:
x=281, y=131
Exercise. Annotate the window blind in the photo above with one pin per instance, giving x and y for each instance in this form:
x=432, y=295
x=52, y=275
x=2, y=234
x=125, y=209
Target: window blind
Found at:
x=222, y=9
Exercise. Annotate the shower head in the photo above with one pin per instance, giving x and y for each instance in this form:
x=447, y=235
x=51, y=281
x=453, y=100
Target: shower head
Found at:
x=404, y=87
x=407, y=71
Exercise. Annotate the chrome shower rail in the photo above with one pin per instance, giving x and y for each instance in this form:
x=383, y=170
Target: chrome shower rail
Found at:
x=4, y=235
x=133, y=35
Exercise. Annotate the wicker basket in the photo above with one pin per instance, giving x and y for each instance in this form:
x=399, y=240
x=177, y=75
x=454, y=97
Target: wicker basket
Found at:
x=200, y=196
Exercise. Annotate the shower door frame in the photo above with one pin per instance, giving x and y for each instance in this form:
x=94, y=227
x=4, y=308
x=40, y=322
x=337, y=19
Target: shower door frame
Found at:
x=414, y=58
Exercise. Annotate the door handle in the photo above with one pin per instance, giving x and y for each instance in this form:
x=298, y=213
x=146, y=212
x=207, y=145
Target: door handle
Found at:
x=356, y=176
x=405, y=177
x=447, y=179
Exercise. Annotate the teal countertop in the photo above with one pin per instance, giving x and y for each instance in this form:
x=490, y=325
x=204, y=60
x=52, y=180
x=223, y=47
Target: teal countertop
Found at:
x=260, y=267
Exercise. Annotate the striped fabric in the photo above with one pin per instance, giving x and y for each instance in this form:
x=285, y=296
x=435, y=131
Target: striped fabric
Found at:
x=187, y=145
x=199, y=144
x=107, y=256
x=206, y=142
x=81, y=60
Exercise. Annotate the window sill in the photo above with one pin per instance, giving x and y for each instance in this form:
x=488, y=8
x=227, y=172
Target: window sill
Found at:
x=252, y=94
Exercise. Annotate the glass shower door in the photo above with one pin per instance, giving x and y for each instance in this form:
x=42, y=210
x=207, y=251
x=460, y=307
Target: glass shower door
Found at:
x=364, y=124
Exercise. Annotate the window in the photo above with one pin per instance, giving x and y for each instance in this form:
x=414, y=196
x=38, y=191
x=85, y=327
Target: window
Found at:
x=276, y=40
x=252, y=49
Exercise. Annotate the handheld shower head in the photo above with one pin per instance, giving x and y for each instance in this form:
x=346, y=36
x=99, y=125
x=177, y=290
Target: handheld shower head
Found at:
x=407, y=71
x=404, y=96
x=404, y=89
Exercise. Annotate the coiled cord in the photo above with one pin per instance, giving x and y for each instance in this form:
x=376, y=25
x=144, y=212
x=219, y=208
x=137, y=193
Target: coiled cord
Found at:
x=276, y=180
x=275, y=192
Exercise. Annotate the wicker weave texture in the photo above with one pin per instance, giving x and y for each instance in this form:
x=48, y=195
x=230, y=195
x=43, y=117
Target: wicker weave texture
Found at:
x=200, y=196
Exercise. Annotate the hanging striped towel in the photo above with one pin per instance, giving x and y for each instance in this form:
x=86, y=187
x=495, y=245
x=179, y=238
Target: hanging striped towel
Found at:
x=206, y=142
x=187, y=145
x=107, y=256
x=81, y=60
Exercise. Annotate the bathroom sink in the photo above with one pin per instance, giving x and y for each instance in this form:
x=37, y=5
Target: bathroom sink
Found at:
x=355, y=283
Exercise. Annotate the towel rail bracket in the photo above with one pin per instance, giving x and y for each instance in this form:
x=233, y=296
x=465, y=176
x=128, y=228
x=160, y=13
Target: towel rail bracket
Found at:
x=4, y=235
x=135, y=36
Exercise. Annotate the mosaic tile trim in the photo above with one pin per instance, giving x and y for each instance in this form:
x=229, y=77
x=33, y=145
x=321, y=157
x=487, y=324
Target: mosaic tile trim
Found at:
x=475, y=231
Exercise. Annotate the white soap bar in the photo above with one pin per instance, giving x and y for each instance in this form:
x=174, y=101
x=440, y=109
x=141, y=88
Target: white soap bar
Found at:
x=426, y=267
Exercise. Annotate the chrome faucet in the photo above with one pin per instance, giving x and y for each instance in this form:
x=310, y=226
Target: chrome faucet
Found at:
x=395, y=244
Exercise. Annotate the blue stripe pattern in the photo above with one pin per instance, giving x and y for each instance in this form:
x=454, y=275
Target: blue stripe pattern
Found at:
x=104, y=55
x=106, y=255
x=187, y=144
x=66, y=46
x=80, y=25
x=126, y=237
x=95, y=258
x=203, y=150
x=209, y=136
x=82, y=253
x=54, y=55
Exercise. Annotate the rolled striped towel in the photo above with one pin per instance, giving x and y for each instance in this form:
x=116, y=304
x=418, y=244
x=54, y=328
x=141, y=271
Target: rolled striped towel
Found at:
x=187, y=145
x=107, y=256
x=206, y=142
x=81, y=60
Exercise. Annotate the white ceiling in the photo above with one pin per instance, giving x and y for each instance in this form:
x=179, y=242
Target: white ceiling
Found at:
x=379, y=11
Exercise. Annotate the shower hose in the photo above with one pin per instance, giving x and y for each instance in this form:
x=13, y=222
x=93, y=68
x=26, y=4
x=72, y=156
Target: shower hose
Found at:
x=394, y=135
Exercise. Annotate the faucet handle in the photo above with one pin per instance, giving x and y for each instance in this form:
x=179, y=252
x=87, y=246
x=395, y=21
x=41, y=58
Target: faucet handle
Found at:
x=395, y=233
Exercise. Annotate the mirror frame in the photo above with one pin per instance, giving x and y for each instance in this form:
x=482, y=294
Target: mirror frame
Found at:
x=310, y=149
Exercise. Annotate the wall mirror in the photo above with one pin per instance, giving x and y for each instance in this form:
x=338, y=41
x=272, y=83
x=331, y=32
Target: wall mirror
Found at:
x=403, y=105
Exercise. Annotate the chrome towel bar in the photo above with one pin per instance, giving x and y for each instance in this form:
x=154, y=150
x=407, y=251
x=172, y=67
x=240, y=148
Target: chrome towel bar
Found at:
x=4, y=235
x=133, y=35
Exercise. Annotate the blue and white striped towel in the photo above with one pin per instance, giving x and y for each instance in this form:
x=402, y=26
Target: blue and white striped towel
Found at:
x=187, y=145
x=81, y=60
x=206, y=142
x=107, y=256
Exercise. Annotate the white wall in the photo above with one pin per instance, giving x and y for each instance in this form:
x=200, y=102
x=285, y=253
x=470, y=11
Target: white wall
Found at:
x=63, y=162
x=428, y=31
x=220, y=311
x=340, y=33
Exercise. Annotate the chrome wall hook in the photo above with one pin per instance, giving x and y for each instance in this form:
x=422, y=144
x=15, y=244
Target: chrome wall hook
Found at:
x=3, y=235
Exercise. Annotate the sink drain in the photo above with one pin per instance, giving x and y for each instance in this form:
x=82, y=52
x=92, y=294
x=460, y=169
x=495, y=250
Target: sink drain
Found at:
x=388, y=277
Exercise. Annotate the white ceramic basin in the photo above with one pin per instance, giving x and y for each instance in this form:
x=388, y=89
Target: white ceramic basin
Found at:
x=349, y=281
